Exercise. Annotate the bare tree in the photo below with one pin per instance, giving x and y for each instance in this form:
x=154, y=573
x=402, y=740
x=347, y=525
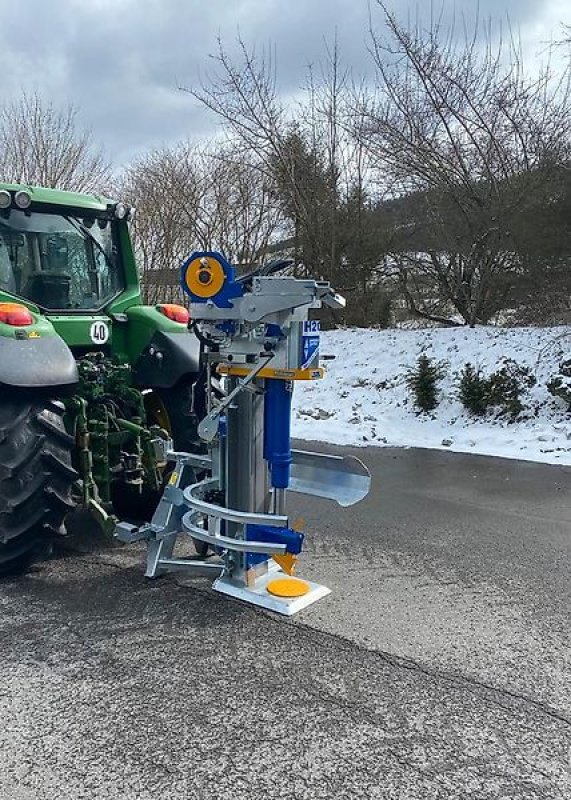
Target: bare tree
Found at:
x=159, y=239
x=461, y=142
x=237, y=214
x=469, y=142
x=306, y=152
x=42, y=145
x=242, y=93
x=190, y=198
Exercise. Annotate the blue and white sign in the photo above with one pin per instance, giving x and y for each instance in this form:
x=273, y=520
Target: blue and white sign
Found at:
x=310, y=343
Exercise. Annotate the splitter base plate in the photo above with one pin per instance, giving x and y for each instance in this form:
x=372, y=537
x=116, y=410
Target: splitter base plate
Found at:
x=258, y=595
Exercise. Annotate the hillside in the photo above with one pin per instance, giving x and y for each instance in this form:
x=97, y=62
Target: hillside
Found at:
x=363, y=399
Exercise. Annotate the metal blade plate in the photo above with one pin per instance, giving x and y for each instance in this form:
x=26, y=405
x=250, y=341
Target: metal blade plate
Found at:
x=344, y=479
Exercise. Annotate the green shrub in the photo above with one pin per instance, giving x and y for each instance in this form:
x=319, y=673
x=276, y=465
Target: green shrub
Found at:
x=560, y=385
x=423, y=379
x=503, y=389
x=473, y=390
x=508, y=384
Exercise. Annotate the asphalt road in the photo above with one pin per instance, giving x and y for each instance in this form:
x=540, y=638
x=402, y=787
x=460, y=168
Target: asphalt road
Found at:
x=439, y=668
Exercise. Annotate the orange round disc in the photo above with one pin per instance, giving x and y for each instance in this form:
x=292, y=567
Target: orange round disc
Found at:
x=288, y=587
x=204, y=276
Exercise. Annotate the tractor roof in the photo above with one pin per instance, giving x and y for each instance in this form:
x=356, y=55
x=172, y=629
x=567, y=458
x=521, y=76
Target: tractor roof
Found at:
x=58, y=197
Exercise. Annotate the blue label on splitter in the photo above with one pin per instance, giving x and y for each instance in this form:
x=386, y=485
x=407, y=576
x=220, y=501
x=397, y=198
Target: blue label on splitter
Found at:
x=310, y=342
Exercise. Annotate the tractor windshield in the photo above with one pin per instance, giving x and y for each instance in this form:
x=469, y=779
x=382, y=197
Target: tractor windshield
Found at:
x=59, y=261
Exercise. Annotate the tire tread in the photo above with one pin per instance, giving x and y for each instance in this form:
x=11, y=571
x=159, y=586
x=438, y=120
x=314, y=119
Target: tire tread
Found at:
x=36, y=478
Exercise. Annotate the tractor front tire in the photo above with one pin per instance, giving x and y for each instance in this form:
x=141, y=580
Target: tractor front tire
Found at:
x=36, y=478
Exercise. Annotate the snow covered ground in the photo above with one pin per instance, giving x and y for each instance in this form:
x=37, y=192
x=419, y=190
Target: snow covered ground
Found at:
x=363, y=400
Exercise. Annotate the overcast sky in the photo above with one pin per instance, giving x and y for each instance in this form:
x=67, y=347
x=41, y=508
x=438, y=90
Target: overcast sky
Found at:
x=121, y=61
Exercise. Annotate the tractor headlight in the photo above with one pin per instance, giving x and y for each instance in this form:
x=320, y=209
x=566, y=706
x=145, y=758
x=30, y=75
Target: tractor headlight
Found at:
x=23, y=199
x=5, y=199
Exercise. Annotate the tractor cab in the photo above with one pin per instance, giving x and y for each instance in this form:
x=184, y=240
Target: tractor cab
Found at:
x=61, y=259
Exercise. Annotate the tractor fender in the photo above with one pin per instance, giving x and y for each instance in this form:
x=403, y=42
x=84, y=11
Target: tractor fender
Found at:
x=36, y=362
x=166, y=359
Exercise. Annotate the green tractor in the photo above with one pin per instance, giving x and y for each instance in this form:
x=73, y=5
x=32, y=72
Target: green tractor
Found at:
x=94, y=385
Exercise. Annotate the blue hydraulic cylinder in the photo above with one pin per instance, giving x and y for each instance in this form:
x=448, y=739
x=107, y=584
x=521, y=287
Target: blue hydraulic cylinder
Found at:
x=293, y=541
x=277, y=431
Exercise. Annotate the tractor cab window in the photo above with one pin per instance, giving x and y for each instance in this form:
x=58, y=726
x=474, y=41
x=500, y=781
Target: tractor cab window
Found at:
x=59, y=261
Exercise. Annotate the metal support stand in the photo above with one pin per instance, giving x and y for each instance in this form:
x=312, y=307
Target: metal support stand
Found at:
x=162, y=532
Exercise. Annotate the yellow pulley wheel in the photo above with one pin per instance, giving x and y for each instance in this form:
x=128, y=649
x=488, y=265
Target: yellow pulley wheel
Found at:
x=204, y=276
x=288, y=587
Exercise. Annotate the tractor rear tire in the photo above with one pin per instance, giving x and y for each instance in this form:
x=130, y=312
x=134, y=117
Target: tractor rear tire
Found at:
x=36, y=478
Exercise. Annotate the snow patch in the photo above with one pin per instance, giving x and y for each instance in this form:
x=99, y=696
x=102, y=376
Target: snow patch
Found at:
x=363, y=399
